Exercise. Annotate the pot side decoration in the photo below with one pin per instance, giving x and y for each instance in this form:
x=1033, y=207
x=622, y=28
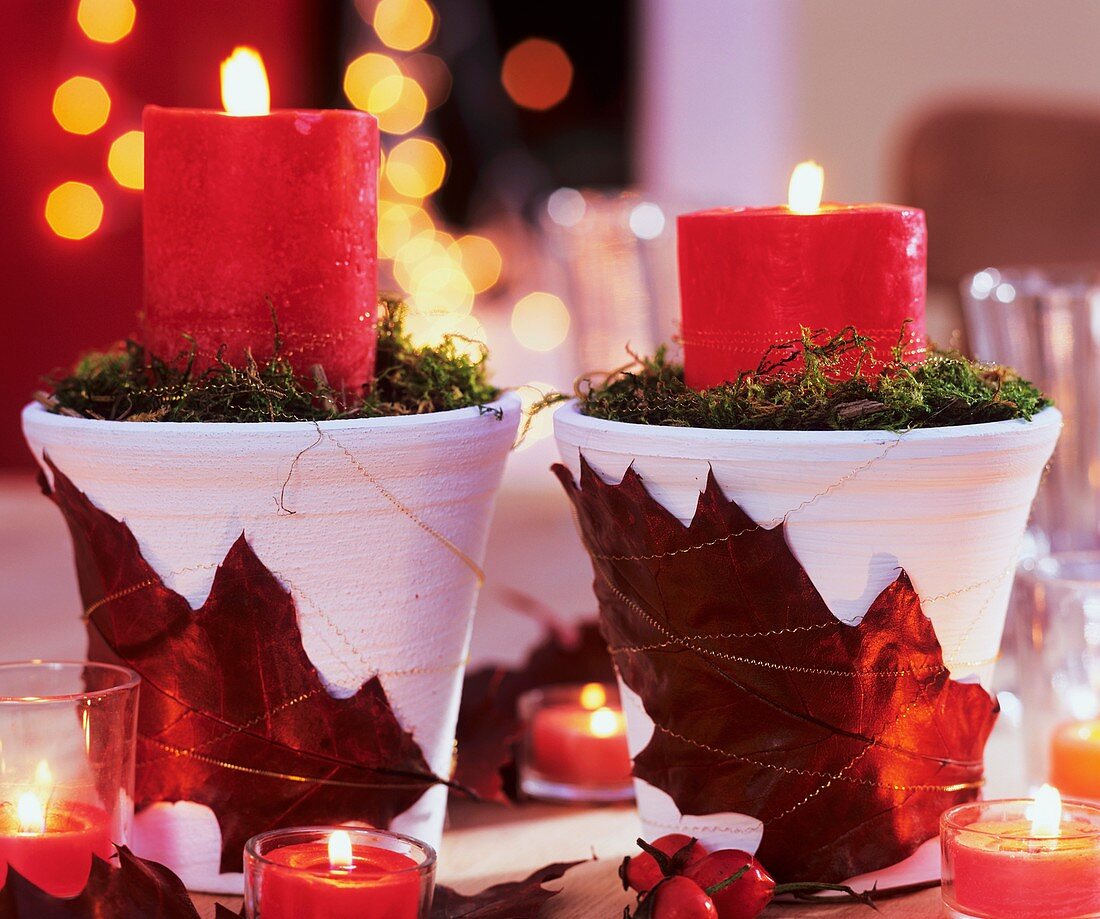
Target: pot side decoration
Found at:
x=804, y=622
x=296, y=595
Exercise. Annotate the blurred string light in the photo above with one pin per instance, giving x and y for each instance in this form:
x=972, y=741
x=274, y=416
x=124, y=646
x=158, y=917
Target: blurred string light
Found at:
x=566, y=207
x=74, y=210
x=126, y=160
x=540, y=321
x=404, y=25
x=647, y=220
x=537, y=74
x=416, y=168
x=106, y=21
x=81, y=105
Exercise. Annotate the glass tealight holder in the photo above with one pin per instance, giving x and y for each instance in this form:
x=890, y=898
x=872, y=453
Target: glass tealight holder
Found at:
x=575, y=745
x=342, y=872
x=68, y=735
x=996, y=866
x=1056, y=626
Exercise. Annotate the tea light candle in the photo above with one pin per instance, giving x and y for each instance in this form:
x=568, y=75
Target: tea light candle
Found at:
x=576, y=744
x=51, y=845
x=67, y=731
x=1075, y=759
x=337, y=873
x=1021, y=859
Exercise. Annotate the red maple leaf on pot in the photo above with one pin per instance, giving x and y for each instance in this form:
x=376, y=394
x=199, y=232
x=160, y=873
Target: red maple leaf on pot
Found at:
x=232, y=714
x=847, y=742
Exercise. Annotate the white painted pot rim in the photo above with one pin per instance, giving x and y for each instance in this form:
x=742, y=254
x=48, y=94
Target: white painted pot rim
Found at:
x=183, y=430
x=571, y=416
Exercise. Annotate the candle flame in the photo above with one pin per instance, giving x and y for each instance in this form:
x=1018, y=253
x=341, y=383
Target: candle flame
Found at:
x=604, y=723
x=1046, y=813
x=807, y=184
x=31, y=814
x=339, y=850
x=245, y=90
x=593, y=696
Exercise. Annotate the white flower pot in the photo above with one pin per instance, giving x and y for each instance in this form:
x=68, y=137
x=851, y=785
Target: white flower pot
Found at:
x=949, y=505
x=364, y=554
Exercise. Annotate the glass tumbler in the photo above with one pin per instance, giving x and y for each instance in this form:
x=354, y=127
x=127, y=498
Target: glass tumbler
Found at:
x=338, y=872
x=67, y=744
x=1057, y=631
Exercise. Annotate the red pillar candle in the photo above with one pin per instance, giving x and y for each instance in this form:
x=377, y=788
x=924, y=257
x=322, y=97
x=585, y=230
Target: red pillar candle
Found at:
x=752, y=277
x=317, y=874
x=245, y=214
x=53, y=847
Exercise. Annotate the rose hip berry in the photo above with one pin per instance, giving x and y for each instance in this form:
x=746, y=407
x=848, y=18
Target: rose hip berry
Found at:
x=643, y=872
x=679, y=898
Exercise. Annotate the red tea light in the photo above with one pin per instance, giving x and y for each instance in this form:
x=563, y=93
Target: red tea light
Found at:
x=337, y=873
x=1021, y=859
x=576, y=746
x=51, y=845
x=68, y=737
x=1075, y=759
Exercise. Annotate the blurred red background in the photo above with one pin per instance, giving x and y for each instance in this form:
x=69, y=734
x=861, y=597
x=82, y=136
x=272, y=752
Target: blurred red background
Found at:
x=63, y=296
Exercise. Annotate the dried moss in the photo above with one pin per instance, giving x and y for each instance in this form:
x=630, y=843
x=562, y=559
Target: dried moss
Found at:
x=130, y=384
x=799, y=387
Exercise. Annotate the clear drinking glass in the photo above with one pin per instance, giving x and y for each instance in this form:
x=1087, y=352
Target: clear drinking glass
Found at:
x=1045, y=322
x=339, y=872
x=1056, y=626
x=67, y=744
x=618, y=250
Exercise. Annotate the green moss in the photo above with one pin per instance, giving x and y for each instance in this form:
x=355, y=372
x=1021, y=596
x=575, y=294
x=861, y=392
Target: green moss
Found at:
x=129, y=384
x=788, y=394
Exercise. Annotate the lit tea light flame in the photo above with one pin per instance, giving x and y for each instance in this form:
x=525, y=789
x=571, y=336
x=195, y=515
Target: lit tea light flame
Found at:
x=339, y=850
x=245, y=90
x=807, y=185
x=593, y=696
x=31, y=814
x=1046, y=813
x=605, y=723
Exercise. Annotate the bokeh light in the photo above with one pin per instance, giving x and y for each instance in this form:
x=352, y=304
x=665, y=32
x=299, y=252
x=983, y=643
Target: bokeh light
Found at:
x=480, y=260
x=465, y=332
x=540, y=321
x=416, y=167
x=106, y=21
x=432, y=74
x=74, y=210
x=81, y=105
x=406, y=112
x=126, y=160
x=536, y=427
x=647, y=220
x=365, y=74
x=537, y=74
x=566, y=207
x=404, y=25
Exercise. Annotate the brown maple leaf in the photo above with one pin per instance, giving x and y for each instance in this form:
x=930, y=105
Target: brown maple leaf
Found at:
x=233, y=715
x=512, y=900
x=136, y=889
x=847, y=742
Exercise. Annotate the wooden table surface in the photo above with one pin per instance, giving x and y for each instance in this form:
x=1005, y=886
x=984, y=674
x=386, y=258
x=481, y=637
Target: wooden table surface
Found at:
x=486, y=845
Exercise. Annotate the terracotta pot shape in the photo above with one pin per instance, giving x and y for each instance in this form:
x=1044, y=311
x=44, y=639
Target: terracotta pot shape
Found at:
x=949, y=505
x=381, y=556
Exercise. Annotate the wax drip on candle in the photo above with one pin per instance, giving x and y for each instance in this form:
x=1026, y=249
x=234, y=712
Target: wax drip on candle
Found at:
x=806, y=187
x=339, y=851
x=245, y=90
x=1046, y=813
